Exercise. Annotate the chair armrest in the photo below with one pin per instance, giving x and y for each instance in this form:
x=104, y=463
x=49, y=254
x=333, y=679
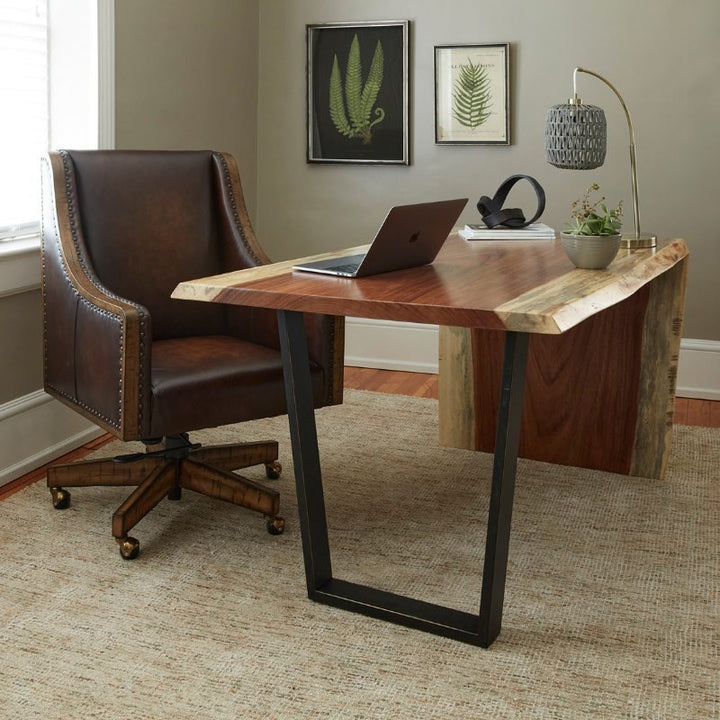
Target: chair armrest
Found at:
x=96, y=345
x=326, y=333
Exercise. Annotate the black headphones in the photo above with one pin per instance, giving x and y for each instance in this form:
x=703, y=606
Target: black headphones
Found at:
x=492, y=209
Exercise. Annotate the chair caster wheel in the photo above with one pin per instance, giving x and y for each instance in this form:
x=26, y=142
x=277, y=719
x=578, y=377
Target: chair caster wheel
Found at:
x=129, y=547
x=275, y=526
x=60, y=498
x=273, y=470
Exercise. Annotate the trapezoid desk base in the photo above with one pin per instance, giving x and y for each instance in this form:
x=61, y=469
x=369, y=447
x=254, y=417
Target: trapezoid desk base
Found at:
x=480, y=629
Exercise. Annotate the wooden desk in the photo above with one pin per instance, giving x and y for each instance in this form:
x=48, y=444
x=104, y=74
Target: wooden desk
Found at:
x=598, y=395
x=503, y=292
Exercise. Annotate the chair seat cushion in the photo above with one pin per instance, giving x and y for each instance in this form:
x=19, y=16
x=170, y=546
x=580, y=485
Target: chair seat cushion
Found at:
x=206, y=381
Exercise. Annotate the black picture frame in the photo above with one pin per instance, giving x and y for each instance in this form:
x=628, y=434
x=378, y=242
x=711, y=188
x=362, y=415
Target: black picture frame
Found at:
x=472, y=94
x=358, y=92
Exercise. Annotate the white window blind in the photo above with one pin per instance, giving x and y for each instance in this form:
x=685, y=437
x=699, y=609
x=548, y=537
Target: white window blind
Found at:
x=24, y=113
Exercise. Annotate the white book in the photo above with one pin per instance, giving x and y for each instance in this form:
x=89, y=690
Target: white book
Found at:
x=534, y=231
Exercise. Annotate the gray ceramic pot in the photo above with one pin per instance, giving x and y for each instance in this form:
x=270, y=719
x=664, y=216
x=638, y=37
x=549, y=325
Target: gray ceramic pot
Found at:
x=592, y=252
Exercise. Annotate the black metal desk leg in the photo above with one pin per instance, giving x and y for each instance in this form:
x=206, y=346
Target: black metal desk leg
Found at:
x=478, y=629
x=303, y=435
x=503, y=485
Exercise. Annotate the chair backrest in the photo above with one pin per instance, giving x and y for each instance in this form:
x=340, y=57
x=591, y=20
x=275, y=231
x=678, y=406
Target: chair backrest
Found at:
x=120, y=229
x=150, y=219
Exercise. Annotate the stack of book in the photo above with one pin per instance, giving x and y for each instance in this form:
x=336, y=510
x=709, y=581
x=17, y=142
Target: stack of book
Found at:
x=534, y=231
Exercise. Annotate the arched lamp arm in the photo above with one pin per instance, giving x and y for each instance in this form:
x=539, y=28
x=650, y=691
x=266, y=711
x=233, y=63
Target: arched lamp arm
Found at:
x=633, y=156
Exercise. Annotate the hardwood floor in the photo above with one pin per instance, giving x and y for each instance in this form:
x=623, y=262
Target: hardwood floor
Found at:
x=705, y=413
x=392, y=381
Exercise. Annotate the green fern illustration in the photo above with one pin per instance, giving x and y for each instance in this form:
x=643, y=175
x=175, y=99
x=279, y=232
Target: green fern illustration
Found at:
x=359, y=99
x=471, y=96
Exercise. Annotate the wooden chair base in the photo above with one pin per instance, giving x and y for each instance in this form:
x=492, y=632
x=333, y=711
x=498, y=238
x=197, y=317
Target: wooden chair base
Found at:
x=165, y=472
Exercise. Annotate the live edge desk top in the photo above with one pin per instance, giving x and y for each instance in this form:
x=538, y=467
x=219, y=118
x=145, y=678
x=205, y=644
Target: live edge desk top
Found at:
x=604, y=348
x=512, y=285
x=537, y=358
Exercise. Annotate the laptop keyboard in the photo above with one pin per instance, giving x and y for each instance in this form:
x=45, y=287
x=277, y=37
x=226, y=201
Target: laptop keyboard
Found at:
x=345, y=268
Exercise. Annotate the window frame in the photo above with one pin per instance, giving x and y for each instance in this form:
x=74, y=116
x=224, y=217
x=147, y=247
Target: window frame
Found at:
x=20, y=256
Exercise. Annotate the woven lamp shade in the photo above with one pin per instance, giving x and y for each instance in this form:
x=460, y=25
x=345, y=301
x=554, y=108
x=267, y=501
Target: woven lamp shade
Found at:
x=575, y=136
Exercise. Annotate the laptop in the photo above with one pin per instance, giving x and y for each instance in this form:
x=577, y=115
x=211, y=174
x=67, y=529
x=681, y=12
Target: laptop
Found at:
x=410, y=236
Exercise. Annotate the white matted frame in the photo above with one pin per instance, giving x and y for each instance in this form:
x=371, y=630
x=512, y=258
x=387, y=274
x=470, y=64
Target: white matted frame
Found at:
x=472, y=105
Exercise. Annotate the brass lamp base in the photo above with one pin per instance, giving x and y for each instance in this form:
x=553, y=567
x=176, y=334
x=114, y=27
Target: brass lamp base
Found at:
x=635, y=242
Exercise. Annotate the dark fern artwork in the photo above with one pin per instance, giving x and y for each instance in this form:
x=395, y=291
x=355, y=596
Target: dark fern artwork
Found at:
x=471, y=96
x=358, y=109
x=358, y=99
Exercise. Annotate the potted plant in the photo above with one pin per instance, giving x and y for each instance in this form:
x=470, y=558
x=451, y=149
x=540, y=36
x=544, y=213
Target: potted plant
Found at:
x=592, y=238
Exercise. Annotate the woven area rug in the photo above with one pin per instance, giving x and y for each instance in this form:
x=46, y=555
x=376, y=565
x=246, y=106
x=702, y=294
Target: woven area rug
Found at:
x=612, y=604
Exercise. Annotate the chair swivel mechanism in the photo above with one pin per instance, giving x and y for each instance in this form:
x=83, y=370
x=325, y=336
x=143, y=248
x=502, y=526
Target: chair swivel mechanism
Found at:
x=120, y=230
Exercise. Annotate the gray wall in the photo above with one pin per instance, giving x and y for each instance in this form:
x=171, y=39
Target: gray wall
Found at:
x=186, y=75
x=21, y=348
x=195, y=74
x=662, y=56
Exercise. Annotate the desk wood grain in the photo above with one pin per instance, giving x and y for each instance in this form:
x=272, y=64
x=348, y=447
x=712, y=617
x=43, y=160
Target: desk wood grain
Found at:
x=521, y=286
x=600, y=395
x=603, y=352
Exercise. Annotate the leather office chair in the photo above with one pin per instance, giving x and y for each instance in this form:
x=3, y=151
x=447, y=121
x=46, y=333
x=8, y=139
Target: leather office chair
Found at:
x=120, y=230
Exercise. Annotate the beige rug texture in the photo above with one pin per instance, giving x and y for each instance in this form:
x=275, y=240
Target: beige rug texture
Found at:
x=612, y=604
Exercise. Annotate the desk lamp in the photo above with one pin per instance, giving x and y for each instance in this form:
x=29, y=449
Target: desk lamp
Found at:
x=576, y=138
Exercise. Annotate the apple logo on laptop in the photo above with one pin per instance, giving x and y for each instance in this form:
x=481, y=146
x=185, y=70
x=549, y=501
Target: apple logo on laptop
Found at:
x=414, y=237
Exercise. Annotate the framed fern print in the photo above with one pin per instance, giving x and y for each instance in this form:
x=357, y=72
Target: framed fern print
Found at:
x=471, y=94
x=357, y=92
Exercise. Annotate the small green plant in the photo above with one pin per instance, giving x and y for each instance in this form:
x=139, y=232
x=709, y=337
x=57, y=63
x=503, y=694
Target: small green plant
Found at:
x=594, y=218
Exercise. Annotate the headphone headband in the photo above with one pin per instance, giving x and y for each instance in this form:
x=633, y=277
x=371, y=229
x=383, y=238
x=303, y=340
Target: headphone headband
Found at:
x=492, y=210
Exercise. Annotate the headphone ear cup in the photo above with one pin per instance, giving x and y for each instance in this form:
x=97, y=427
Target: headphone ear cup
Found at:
x=485, y=205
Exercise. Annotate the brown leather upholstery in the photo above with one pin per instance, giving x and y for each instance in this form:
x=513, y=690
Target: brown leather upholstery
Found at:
x=120, y=230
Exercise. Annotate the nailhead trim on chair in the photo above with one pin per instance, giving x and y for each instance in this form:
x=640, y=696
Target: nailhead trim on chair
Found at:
x=55, y=389
x=70, y=200
x=233, y=204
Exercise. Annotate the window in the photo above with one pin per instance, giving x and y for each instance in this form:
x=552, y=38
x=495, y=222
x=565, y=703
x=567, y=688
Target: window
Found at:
x=57, y=86
x=24, y=119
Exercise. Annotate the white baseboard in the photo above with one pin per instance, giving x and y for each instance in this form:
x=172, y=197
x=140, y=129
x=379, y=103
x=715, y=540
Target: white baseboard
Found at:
x=36, y=429
x=391, y=345
x=699, y=369
x=414, y=348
